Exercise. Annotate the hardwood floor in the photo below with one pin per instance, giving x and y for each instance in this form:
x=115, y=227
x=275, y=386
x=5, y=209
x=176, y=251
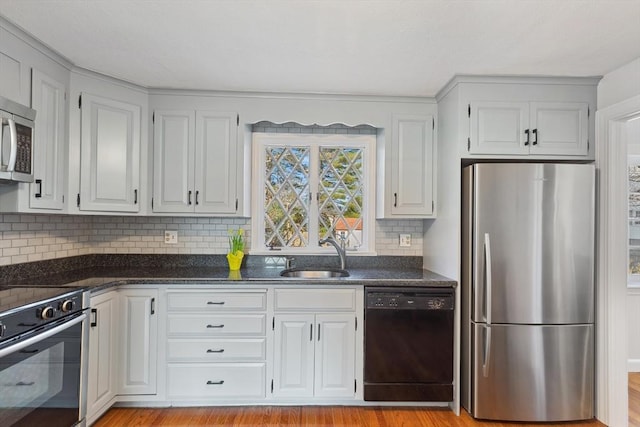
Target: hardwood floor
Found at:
x=317, y=416
x=307, y=416
x=634, y=399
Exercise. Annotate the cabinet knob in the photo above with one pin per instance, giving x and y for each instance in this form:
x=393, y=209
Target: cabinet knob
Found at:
x=535, y=137
x=526, y=132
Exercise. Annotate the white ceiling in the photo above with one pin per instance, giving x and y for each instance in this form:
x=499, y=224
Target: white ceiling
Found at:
x=387, y=47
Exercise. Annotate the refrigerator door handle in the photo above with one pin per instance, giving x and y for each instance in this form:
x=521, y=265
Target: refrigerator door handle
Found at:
x=486, y=351
x=487, y=278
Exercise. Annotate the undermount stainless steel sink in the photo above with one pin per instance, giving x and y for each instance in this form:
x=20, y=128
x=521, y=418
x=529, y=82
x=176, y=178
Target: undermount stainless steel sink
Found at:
x=301, y=273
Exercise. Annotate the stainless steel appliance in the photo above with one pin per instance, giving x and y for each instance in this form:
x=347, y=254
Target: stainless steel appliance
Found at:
x=16, y=142
x=528, y=291
x=41, y=357
x=408, y=346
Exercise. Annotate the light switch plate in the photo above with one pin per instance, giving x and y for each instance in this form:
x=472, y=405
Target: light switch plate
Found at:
x=170, y=237
x=405, y=240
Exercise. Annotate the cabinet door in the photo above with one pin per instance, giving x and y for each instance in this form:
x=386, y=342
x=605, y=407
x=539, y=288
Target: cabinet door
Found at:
x=101, y=384
x=215, y=162
x=293, y=355
x=173, y=160
x=110, y=155
x=412, y=166
x=499, y=128
x=559, y=128
x=138, y=365
x=11, y=76
x=335, y=355
x=48, y=99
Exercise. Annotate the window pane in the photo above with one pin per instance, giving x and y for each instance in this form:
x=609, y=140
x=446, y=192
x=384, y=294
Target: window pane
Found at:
x=286, y=196
x=340, y=194
x=634, y=217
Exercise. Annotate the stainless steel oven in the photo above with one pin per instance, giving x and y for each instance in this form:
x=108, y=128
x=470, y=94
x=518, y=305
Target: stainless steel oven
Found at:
x=41, y=360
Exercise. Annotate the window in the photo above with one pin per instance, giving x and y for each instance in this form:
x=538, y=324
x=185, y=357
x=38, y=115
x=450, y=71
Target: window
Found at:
x=313, y=186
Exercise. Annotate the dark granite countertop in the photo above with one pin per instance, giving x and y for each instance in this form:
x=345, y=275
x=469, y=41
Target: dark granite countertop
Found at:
x=95, y=278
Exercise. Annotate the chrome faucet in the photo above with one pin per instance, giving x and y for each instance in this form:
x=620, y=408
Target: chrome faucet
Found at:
x=340, y=248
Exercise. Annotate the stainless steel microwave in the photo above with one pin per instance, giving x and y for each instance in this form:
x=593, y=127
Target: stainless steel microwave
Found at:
x=16, y=142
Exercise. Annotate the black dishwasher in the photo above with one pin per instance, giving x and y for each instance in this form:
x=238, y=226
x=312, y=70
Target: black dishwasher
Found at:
x=408, y=347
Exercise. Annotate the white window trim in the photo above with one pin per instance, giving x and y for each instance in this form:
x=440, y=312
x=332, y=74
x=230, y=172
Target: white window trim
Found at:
x=260, y=140
x=633, y=280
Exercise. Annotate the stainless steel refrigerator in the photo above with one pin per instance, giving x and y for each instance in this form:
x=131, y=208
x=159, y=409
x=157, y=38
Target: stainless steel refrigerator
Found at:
x=528, y=291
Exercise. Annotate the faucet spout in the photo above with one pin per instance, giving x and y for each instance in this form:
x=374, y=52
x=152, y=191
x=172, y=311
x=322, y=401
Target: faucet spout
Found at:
x=340, y=249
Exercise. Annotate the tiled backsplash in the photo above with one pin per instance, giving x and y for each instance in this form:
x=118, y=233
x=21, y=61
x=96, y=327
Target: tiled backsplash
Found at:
x=27, y=237
x=38, y=237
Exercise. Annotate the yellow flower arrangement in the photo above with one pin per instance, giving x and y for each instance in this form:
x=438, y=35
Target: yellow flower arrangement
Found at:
x=236, y=248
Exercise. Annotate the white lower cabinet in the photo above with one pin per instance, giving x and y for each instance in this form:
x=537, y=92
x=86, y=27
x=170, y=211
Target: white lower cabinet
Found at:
x=314, y=348
x=298, y=345
x=314, y=355
x=139, y=355
x=219, y=380
x=216, y=345
x=103, y=354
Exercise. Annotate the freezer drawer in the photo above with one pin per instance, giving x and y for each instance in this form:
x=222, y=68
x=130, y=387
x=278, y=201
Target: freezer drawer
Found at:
x=532, y=372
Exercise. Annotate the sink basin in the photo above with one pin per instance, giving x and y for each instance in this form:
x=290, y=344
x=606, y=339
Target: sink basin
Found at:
x=302, y=273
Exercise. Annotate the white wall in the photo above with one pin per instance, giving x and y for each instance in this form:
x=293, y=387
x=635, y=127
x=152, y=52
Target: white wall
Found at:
x=620, y=84
x=633, y=329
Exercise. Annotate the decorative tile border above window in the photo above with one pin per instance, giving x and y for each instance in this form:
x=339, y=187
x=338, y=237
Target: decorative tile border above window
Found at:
x=292, y=127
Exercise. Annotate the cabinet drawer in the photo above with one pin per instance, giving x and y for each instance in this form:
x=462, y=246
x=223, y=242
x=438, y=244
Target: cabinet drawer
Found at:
x=315, y=299
x=225, y=380
x=216, y=350
x=216, y=325
x=217, y=301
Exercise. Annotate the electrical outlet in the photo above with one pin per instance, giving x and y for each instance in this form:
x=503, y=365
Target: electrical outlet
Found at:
x=405, y=240
x=170, y=237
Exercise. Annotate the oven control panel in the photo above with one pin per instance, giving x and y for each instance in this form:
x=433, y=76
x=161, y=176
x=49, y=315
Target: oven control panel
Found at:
x=32, y=315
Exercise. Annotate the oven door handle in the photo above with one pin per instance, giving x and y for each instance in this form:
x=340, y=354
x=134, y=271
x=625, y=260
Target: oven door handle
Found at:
x=42, y=336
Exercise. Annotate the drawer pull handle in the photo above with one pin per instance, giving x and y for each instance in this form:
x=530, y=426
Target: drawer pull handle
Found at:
x=215, y=302
x=216, y=351
x=22, y=383
x=215, y=326
x=215, y=382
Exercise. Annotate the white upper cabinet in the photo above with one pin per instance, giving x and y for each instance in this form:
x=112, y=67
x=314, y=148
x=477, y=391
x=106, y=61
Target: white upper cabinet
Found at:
x=173, y=163
x=523, y=128
x=48, y=99
x=412, y=167
x=110, y=155
x=195, y=161
x=532, y=118
x=498, y=127
x=215, y=164
x=559, y=128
